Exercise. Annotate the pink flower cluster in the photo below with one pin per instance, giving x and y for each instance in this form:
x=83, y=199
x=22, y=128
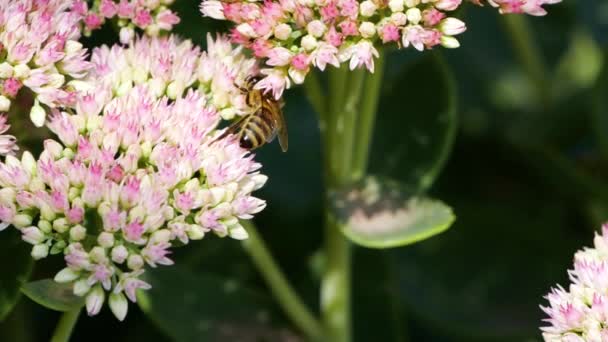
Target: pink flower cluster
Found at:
x=130, y=174
x=532, y=7
x=153, y=16
x=294, y=35
x=170, y=67
x=580, y=313
x=39, y=49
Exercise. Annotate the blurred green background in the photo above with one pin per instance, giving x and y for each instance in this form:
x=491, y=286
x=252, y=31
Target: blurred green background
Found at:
x=527, y=177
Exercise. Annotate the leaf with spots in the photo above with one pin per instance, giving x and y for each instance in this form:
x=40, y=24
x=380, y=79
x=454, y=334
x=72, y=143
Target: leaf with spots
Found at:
x=416, y=124
x=52, y=295
x=16, y=269
x=381, y=213
x=191, y=306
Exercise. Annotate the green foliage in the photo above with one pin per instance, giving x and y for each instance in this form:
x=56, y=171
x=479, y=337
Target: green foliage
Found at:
x=16, y=269
x=190, y=306
x=53, y=295
x=416, y=124
x=379, y=213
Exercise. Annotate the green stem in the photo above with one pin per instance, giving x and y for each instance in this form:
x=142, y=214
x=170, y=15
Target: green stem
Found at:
x=367, y=117
x=314, y=93
x=529, y=55
x=288, y=299
x=348, y=123
x=335, y=285
x=66, y=324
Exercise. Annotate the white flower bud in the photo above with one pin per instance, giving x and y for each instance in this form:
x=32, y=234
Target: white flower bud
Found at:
x=29, y=163
x=316, y=28
x=118, y=305
x=396, y=5
x=95, y=300
x=81, y=287
x=21, y=71
x=32, y=235
x=47, y=213
x=40, y=251
x=60, y=225
x=98, y=255
x=72, y=47
x=37, y=115
x=45, y=226
x=195, y=232
x=78, y=233
x=175, y=90
x=152, y=30
x=218, y=194
x=66, y=275
x=106, y=240
x=367, y=8
x=5, y=103
x=160, y=236
x=126, y=34
x=308, y=42
x=452, y=26
x=414, y=15
x=282, y=31
x=237, y=232
x=22, y=220
x=135, y=262
x=449, y=42
x=367, y=29
x=297, y=76
x=412, y=3
x=6, y=70
x=157, y=86
x=119, y=254
x=246, y=30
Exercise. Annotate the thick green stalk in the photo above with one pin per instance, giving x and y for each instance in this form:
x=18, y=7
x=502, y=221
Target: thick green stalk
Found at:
x=528, y=55
x=66, y=324
x=367, y=117
x=314, y=93
x=336, y=285
x=286, y=296
x=340, y=139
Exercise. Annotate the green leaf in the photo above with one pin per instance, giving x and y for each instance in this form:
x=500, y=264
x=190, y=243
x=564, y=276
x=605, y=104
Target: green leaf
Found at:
x=52, y=295
x=416, y=124
x=190, y=306
x=380, y=213
x=16, y=269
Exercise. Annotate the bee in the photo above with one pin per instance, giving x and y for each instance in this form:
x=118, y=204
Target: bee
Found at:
x=263, y=123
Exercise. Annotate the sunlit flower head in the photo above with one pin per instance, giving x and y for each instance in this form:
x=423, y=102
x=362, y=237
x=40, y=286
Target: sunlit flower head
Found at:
x=152, y=17
x=294, y=35
x=131, y=173
x=39, y=50
x=580, y=312
x=170, y=66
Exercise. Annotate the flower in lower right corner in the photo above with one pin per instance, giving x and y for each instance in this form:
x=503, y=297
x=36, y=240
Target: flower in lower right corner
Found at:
x=580, y=312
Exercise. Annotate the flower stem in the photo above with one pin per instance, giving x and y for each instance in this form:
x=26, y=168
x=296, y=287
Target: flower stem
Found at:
x=314, y=93
x=349, y=122
x=288, y=299
x=528, y=54
x=66, y=324
x=367, y=118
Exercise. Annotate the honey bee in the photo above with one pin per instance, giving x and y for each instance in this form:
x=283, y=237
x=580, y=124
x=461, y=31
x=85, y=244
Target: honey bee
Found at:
x=263, y=123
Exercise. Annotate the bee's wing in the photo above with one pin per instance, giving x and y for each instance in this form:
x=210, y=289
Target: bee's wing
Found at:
x=281, y=127
x=234, y=128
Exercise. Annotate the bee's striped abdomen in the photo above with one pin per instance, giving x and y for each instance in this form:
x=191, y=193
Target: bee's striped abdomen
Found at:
x=257, y=130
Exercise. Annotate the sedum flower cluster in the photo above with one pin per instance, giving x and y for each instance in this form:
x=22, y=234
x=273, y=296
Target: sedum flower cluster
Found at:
x=39, y=49
x=580, y=313
x=292, y=36
x=133, y=171
x=532, y=7
x=170, y=67
x=152, y=16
